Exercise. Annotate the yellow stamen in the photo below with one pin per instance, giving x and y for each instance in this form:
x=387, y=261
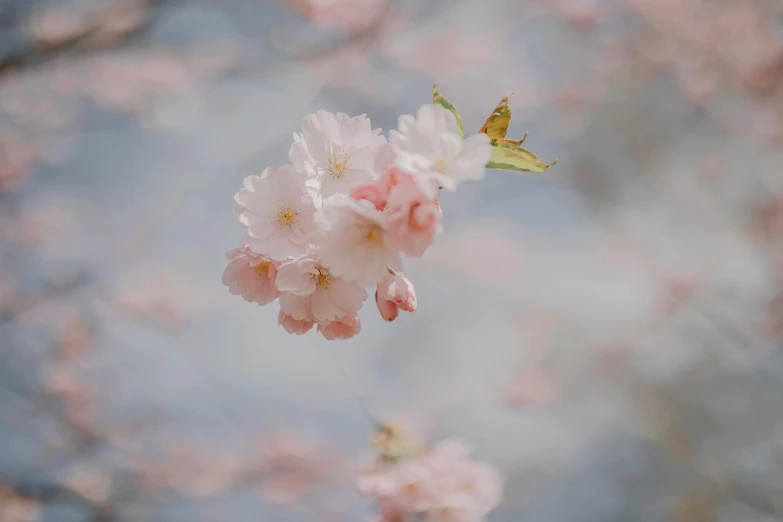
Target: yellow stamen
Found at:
x=287, y=216
x=322, y=278
x=373, y=234
x=338, y=164
x=262, y=268
x=441, y=166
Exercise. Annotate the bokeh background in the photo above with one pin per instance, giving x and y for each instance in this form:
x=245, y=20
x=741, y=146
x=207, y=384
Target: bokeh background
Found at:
x=607, y=334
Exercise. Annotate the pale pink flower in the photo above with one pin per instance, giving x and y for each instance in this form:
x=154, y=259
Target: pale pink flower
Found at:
x=355, y=244
x=395, y=292
x=277, y=208
x=292, y=325
x=439, y=484
x=414, y=216
x=251, y=275
x=430, y=146
x=343, y=328
x=337, y=150
x=311, y=292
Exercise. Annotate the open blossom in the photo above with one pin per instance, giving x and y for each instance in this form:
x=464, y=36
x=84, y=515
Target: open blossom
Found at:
x=277, y=208
x=338, y=150
x=251, y=275
x=292, y=325
x=355, y=243
x=395, y=292
x=343, y=328
x=436, y=484
x=430, y=146
x=310, y=292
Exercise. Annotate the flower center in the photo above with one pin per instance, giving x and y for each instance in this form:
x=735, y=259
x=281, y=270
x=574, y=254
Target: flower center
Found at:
x=287, y=216
x=372, y=234
x=440, y=166
x=262, y=268
x=322, y=278
x=338, y=164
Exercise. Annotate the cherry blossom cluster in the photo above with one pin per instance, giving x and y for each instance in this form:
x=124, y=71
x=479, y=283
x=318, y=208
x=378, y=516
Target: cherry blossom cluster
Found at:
x=340, y=217
x=436, y=484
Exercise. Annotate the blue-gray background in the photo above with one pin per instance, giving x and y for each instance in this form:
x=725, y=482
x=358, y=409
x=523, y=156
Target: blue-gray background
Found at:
x=607, y=334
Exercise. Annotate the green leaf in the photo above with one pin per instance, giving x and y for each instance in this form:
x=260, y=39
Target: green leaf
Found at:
x=508, y=155
x=496, y=124
x=439, y=99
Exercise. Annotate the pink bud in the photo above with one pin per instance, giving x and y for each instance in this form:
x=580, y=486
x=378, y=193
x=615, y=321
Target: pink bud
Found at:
x=388, y=309
x=344, y=328
x=293, y=326
x=395, y=290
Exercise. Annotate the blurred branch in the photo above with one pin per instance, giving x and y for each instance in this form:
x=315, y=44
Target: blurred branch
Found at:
x=109, y=26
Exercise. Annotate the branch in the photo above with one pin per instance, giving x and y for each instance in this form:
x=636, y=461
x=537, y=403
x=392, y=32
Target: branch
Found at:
x=97, y=33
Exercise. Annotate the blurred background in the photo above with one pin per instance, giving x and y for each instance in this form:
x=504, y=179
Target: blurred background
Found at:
x=607, y=334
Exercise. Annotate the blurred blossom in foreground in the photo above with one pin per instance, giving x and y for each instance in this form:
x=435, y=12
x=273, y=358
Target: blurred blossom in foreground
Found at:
x=346, y=15
x=437, y=483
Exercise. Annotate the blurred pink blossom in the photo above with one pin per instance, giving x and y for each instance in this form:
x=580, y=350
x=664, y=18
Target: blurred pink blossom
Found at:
x=291, y=465
x=532, y=388
x=438, y=483
x=350, y=15
x=16, y=508
x=16, y=159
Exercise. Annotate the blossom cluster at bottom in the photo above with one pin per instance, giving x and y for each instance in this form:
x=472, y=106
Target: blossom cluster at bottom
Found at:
x=435, y=484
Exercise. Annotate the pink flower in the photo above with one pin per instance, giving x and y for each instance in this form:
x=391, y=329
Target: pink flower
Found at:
x=338, y=151
x=373, y=192
x=292, y=325
x=355, y=243
x=344, y=328
x=277, y=209
x=311, y=292
x=430, y=146
x=413, y=216
x=440, y=484
x=251, y=275
x=395, y=292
